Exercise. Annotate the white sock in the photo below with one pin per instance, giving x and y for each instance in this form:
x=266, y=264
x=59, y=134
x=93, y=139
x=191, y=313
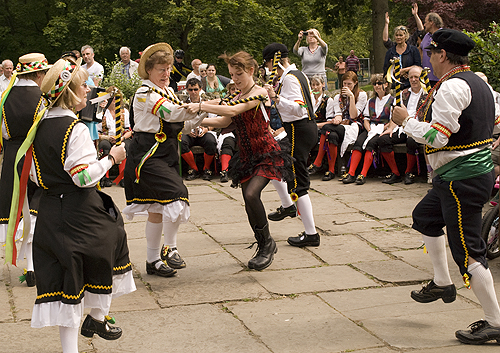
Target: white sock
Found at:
x=69, y=339
x=153, y=241
x=282, y=190
x=305, y=209
x=170, y=230
x=481, y=283
x=97, y=314
x=436, y=247
x=29, y=257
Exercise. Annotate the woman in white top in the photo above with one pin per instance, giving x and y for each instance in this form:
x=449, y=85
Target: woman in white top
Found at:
x=377, y=118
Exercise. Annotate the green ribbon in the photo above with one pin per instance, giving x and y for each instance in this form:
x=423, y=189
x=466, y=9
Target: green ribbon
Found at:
x=431, y=135
x=162, y=109
x=82, y=175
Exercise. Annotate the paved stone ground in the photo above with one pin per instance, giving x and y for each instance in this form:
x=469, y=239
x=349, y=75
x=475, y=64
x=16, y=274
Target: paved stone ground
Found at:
x=351, y=294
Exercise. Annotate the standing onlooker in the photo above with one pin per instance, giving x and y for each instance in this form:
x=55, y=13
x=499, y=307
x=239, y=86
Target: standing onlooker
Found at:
x=126, y=66
x=340, y=66
x=179, y=70
x=457, y=128
x=413, y=39
x=432, y=23
x=196, y=70
x=352, y=63
x=8, y=67
x=95, y=70
x=407, y=54
x=314, y=55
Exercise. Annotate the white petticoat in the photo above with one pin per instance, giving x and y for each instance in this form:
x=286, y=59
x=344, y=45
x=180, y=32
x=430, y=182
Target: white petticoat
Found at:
x=174, y=211
x=68, y=315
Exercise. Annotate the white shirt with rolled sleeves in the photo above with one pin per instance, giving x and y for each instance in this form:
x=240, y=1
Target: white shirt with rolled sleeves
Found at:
x=451, y=99
x=80, y=150
x=146, y=121
x=329, y=106
x=291, y=91
x=360, y=104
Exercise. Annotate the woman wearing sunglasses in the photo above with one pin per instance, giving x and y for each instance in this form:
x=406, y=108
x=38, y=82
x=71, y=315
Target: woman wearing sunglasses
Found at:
x=377, y=119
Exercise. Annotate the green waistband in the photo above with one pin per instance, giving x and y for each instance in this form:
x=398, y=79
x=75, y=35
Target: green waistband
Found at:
x=468, y=166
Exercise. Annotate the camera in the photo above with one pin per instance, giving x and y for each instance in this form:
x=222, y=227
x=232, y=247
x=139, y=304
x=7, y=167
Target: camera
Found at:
x=305, y=33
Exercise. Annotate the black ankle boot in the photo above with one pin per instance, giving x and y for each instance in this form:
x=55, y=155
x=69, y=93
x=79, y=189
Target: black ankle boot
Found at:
x=102, y=328
x=266, y=248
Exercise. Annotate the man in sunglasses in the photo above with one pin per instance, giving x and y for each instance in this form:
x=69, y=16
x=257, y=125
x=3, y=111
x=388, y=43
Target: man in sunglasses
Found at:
x=460, y=115
x=200, y=136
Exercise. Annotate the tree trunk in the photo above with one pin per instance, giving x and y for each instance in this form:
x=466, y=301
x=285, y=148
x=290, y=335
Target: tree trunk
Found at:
x=379, y=8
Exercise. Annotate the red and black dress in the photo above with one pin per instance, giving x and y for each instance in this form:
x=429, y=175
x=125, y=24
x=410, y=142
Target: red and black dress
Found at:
x=259, y=153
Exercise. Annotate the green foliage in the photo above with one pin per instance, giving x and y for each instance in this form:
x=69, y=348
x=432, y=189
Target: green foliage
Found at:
x=117, y=78
x=485, y=57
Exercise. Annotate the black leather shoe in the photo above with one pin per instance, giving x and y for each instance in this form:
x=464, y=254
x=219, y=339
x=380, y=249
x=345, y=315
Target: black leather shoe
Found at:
x=480, y=332
x=281, y=213
x=409, y=178
x=304, y=240
x=360, y=179
x=328, y=176
x=102, y=328
x=349, y=179
x=171, y=255
x=392, y=179
x=192, y=175
x=207, y=175
x=30, y=279
x=163, y=271
x=432, y=292
x=312, y=169
x=223, y=176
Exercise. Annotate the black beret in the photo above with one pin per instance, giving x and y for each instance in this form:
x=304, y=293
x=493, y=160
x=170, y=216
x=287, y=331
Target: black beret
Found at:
x=452, y=41
x=269, y=50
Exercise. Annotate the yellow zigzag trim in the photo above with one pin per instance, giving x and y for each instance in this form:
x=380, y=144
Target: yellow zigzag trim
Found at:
x=293, y=149
x=460, y=227
x=122, y=267
x=38, y=173
x=75, y=297
x=65, y=141
x=5, y=121
x=451, y=148
x=159, y=201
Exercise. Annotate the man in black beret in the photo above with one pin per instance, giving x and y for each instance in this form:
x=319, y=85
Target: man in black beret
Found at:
x=459, y=121
x=293, y=103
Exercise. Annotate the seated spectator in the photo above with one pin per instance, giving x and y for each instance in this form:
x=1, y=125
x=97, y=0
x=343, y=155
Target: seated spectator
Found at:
x=226, y=142
x=323, y=108
x=107, y=135
x=412, y=98
x=414, y=38
x=196, y=70
x=214, y=83
x=377, y=116
x=198, y=137
x=345, y=126
x=408, y=55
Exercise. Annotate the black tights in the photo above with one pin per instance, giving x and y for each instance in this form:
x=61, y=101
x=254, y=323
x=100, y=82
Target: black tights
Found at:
x=253, y=204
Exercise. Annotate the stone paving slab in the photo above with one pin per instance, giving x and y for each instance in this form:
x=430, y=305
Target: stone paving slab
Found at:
x=394, y=271
x=323, y=205
x=193, y=329
x=346, y=249
x=217, y=212
x=388, y=239
x=353, y=222
x=325, y=278
x=303, y=324
x=392, y=208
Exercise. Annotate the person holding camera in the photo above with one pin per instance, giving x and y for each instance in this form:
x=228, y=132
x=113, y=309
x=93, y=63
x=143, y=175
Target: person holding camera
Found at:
x=314, y=55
